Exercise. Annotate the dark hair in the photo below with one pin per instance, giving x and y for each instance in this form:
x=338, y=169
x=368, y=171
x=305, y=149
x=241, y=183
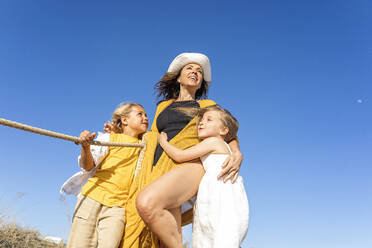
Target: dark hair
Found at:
x=168, y=87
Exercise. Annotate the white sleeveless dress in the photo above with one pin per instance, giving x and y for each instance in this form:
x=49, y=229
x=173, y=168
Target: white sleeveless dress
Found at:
x=221, y=210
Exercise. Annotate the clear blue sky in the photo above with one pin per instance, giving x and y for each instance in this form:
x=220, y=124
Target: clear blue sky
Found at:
x=297, y=74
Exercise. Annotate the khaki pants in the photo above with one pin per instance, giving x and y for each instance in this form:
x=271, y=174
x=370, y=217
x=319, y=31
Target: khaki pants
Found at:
x=95, y=225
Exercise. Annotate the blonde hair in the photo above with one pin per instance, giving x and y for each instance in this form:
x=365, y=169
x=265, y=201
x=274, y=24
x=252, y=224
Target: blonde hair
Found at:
x=227, y=119
x=122, y=110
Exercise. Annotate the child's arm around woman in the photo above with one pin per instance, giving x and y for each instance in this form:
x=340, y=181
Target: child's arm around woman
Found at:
x=208, y=145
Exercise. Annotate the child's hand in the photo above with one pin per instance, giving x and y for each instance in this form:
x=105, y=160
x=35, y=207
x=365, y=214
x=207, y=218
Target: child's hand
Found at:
x=109, y=127
x=163, y=137
x=86, y=137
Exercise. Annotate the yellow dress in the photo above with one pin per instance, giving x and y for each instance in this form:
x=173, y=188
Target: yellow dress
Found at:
x=136, y=234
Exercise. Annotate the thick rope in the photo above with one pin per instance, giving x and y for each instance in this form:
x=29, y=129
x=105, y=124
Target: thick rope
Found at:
x=63, y=136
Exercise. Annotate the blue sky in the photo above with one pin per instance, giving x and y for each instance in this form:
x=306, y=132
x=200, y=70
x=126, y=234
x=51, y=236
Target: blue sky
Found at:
x=296, y=74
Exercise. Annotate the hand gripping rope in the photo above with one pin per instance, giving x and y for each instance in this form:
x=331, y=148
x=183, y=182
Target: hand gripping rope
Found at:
x=63, y=136
x=41, y=131
x=77, y=140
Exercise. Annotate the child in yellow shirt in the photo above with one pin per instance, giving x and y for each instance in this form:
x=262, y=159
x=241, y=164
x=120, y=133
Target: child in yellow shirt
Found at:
x=99, y=216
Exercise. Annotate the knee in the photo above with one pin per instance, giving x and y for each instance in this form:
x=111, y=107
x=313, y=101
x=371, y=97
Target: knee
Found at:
x=146, y=206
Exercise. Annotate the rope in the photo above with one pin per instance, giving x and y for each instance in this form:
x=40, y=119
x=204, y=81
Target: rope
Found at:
x=45, y=132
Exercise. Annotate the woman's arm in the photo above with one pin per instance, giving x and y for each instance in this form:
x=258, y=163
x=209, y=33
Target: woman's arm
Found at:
x=180, y=156
x=231, y=166
x=86, y=157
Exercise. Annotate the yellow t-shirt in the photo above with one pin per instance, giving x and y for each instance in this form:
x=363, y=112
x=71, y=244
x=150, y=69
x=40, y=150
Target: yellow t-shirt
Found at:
x=111, y=183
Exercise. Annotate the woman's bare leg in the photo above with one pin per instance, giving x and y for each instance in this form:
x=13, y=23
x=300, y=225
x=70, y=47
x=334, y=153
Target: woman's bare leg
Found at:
x=176, y=212
x=155, y=202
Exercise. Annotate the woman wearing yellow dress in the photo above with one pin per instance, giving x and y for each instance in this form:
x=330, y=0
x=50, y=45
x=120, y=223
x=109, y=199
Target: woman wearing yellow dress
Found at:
x=163, y=185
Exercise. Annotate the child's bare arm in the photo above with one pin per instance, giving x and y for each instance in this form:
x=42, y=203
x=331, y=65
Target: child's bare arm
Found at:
x=206, y=146
x=86, y=157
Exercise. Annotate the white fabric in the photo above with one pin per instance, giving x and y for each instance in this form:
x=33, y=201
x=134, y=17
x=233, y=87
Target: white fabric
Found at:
x=186, y=58
x=74, y=184
x=221, y=212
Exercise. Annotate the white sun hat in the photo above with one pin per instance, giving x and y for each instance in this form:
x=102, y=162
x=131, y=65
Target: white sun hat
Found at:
x=186, y=58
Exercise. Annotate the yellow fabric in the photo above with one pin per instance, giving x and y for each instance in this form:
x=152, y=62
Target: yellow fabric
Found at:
x=111, y=183
x=136, y=234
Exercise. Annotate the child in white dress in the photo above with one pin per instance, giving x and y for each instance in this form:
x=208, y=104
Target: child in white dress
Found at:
x=221, y=211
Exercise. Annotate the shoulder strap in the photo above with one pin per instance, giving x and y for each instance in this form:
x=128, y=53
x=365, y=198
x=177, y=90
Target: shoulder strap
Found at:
x=228, y=147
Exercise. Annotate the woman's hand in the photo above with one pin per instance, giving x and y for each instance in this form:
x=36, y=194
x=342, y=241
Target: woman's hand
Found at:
x=231, y=166
x=163, y=137
x=85, y=138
